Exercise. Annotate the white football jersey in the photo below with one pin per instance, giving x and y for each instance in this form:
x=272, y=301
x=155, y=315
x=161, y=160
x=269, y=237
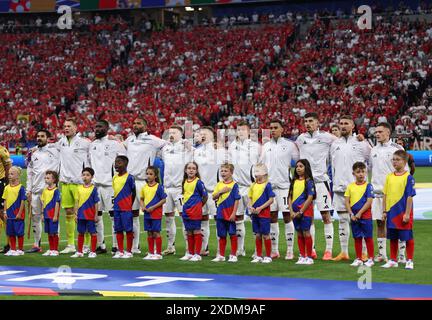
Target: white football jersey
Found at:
x=41, y=160
x=209, y=160
x=175, y=156
x=74, y=156
x=244, y=155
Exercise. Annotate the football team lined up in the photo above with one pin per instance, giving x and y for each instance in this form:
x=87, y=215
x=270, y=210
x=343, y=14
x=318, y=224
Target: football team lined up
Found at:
x=227, y=183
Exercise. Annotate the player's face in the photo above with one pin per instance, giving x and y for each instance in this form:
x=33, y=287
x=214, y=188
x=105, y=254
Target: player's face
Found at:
x=400, y=142
x=120, y=165
x=139, y=126
x=243, y=132
x=206, y=136
x=86, y=177
x=360, y=174
x=101, y=130
x=69, y=128
x=49, y=179
x=174, y=135
x=151, y=177
x=300, y=169
x=41, y=139
x=336, y=131
x=191, y=170
x=276, y=130
x=13, y=174
x=382, y=134
x=346, y=127
x=398, y=162
x=260, y=178
x=311, y=124
x=225, y=173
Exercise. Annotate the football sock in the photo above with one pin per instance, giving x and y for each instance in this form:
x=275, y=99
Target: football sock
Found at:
x=70, y=230
x=308, y=242
x=12, y=241
x=205, y=230
x=312, y=232
x=93, y=242
x=394, y=244
x=129, y=241
x=370, y=247
x=289, y=237
x=120, y=241
x=301, y=244
x=198, y=240
x=258, y=244
x=241, y=232
x=358, y=247
x=328, y=232
x=268, y=246
x=37, y=228
x=410, y=249
x=344, y=231
x=150, y=241
x=191, y=243
x=100, y=231
x=382, y=246
x=222, y=246
x=80, y=242
x=114, y=235
x=171, y=231
x=21, y=243
x=234, y=245
x=402, y=247
x=136, y=233
x=158, y=241
x=274, y=237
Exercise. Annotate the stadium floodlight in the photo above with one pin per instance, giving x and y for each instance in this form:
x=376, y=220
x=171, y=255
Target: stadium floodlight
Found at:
x=189, y=9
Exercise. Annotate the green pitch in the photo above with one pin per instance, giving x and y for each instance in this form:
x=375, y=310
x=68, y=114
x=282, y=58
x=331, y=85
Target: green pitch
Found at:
x=279, y=268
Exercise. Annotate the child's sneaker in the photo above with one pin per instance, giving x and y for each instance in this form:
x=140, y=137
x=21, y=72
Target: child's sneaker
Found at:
x=92, y=255
x=257, y=260
x=149, y=256
x=118, y=255
x=20, y=253
x=219, y=258
x=357, y=263
x=48, y=253
x=156, y=257
x=369, y=263
x=232, y=258
x=127, y=255
x=10, y=253
x=308, y=261
x=186, y=257
x=54, y=253
x=77, y=255
x=301, y=260
x=390, y=264
x=409, y=265
x=196, y=257
x=267, y=260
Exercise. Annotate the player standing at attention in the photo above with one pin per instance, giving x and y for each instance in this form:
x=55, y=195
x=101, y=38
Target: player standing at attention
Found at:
x=194, y=198
x=244, y=154
x=152, y=198
x=381, y=163
x=175, y=155
x=50, y=200
x=14, y=197
x=314, y=145
x=301, y=196
x=261, y=196
x=277, y=156
x=227, y=197
x=344, y=152
x=398, y=211
x=124, y=196
x=86, y=209
x=73, y=158
x=103, y=152
x=141, y=152
x=5, y=165
x=42, y=158
x=358, y=202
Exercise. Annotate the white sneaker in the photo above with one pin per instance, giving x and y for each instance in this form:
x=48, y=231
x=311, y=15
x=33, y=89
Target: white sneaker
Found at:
x=301, y=260
x=86, y=250
x=11, y=253
x=54, y=253
x=254, y=255
x=357, y=263
x=136, y=251
x=402, y=259
x=257, y=260
x=118, y=255
x=169, y=251
x=127, y=255
x=241, y=253
x=196, y=257
x=68, y=249
x=369, y=263
x=289, y=256
x=409, y=265
x=232, y=258
x=390, y=264
x=380, y=258
x=92, y=255
x=78, y=255
x=156, y=257
x=308, y=261
x=149, y=256
x=186, y=257
x=219, y=258
x=48, y=253
x=267, y=260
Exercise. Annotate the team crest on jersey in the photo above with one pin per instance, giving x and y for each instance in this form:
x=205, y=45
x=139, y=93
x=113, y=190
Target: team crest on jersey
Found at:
x=106, y=148
x=304, y=142
x=94, y=148
x=338, y=148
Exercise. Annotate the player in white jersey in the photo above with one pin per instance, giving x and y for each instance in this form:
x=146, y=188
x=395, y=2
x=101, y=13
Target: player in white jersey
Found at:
x=209, y=158
x=74, y=156
x=277, y=156
x=344, y=152
x=381, y=163
x=103, y=152
x=141, y=151
x=244, y=154
x=42, y=158
x=175, y=155
x=314, y=145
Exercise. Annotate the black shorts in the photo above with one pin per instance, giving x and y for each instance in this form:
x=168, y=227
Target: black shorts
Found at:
x=2, y=187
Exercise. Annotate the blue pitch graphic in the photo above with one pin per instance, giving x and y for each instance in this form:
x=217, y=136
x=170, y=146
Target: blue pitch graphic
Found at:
x=171, y=284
